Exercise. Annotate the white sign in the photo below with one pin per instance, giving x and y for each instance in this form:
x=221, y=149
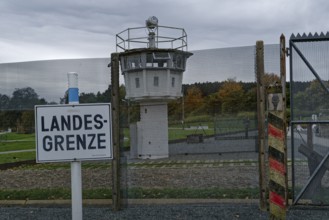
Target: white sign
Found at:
x=73, y=132
x=275, y=102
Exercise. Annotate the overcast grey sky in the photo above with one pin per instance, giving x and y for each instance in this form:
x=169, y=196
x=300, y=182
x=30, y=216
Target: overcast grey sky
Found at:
x=60, y=29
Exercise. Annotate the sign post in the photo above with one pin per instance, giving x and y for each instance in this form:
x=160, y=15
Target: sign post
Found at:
x=76, y=190
x=76, y=177
x=73, y=132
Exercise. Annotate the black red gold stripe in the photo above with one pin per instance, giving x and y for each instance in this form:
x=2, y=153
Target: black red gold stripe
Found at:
x=277, y=200
x=275, y=154
x=275, y=120
x=277, y=166
x=275, y=132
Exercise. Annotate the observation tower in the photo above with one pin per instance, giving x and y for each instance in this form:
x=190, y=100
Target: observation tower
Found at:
x=152, y=60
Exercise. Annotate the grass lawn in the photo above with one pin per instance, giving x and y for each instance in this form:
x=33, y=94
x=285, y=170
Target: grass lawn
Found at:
x=13, y=141
x=15, y=136
x=15, y=157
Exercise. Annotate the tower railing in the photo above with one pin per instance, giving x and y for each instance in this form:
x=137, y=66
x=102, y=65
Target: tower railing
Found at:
x=165, y=37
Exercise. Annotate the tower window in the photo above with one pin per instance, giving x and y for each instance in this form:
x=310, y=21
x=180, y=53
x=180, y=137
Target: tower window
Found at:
x=137, y=82
x=173, y=82
x=156, y=81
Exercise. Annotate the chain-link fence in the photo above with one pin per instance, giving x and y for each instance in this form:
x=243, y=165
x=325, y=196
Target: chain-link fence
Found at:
x=309, y=114
x=212, y=131
x=212, y=128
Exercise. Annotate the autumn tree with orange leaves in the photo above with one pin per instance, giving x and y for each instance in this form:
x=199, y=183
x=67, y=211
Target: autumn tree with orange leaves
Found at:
x=231, y=95
x=193, y=99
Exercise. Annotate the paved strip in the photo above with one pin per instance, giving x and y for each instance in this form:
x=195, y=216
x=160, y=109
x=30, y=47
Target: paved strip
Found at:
x=17, y=151
x=212, y=210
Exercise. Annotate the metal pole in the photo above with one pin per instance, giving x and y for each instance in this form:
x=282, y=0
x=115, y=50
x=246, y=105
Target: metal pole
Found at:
x=76, y=190
x=261, y=123
x=115, y=100
x=183, y=112
x=76, y=179
x=283, y=76
x=292, y=125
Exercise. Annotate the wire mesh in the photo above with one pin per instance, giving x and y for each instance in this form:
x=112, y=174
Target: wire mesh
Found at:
x=219, y=97
x=212, y=140
x=309, y=97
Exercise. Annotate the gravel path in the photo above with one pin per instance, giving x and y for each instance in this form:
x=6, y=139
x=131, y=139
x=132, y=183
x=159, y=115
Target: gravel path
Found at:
x=148, y=176
x=195, y=174
x=185, y=176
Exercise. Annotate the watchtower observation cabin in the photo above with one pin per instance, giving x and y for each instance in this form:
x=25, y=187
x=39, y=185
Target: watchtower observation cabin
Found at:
x=152, y=59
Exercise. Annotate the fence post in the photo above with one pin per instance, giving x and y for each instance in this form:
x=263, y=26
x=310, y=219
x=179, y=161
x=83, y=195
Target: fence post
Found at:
x=115, y=103
x=261, y=123
x=277, y=146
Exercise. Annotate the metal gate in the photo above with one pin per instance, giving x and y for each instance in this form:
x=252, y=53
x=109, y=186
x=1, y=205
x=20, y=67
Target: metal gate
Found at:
x=309, y=91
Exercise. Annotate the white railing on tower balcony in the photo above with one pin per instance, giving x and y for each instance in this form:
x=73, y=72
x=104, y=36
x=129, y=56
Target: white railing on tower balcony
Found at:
x=165, y=38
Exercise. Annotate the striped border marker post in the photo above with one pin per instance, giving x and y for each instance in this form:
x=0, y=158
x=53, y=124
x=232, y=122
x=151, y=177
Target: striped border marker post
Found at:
x=277, y=153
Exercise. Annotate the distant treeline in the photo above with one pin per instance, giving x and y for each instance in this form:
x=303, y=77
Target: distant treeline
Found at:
x=27, y=98
x=199, y=99
x=23, y=98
